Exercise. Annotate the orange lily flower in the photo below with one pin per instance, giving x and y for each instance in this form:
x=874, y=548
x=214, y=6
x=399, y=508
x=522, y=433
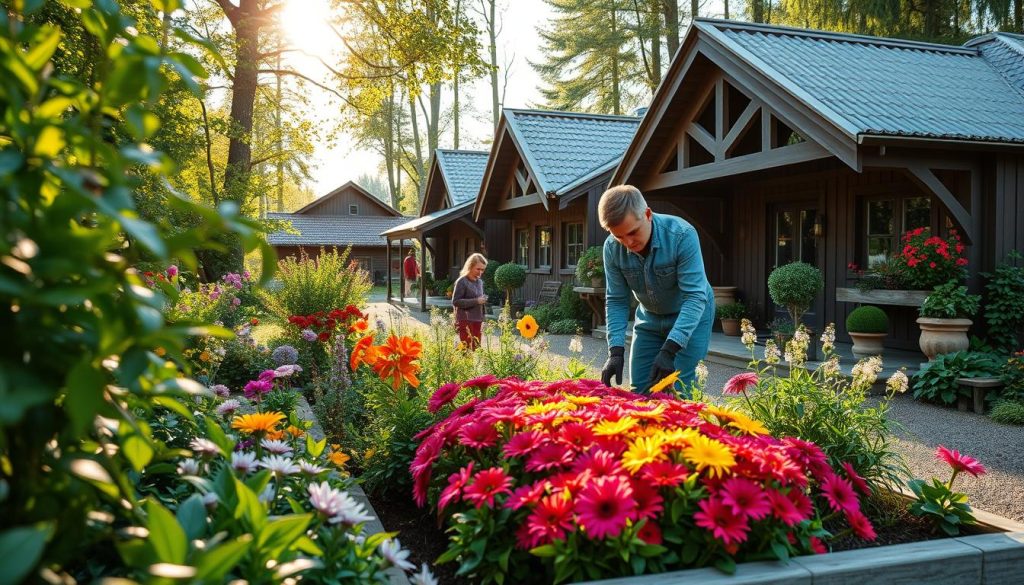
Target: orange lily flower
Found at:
x=397, y=360
x=364, y=352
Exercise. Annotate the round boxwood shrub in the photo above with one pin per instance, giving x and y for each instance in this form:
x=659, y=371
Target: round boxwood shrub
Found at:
x=867, y=319
x=794, y=286
x=731, y=311
x=509, y=277
x=1008, y=412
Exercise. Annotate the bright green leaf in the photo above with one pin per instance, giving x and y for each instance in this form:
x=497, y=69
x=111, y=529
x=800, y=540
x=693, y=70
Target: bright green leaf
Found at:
x=165, y=534
x=21, y=548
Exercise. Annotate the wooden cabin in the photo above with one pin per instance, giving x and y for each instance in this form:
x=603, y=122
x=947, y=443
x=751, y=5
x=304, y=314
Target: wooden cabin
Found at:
x=784, y=144
x=347, y=216
x=545, y=174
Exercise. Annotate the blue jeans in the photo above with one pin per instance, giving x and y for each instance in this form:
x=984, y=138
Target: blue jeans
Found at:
x=650, y=332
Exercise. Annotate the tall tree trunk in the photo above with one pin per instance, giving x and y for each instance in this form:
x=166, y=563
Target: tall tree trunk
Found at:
x=417, y=144
x=246, y=22
x=694, y=9
x=1018, y=16
x=280, y=138
x=434, y=121
x=654, y=17
x=670, y=9
x=757, y=10
x=616, y=83
x=389, y=152
x=490, y=15
x=725, y=9
x=455, y=112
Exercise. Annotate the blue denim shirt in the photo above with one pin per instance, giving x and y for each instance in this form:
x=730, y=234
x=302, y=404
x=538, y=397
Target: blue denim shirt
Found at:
x=669, y=280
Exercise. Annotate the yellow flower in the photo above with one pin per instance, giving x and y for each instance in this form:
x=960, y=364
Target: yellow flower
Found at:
x=665, y=382
x=257, y=422
x=607, y=427
x=369, y=454
x=652, y=414
x=720, y=412
x=705, y=453
x=642, y=451
x=582, y=399
x=676, y=437
x=527, y=326
x=338, y=458
x=160, y=351
x=748, y=425
x=295, y=431
x=542, y=407
x=275, y=435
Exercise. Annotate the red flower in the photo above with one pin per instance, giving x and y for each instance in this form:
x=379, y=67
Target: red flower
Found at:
x=664, y=473
x=650, y=533
x=478, y=435
x=961, y=261
x=599, y=462
x=456, y=482
x=960, y=462
x=397, y=360
x=605, y=505
x=442, y=396
x=784, y=509
x=856, y=479
x=481, y=382
x=254, y=321
x=487, y=485
x=550, y=520
x=550, y=456
x=745, y=497
x=817, y=547
x=524, y=443
x=718, y=518
x=525, y=495
x=648, y=501
x=860, y=525
x=839, y=493
x=577, y=435
x=740, y=383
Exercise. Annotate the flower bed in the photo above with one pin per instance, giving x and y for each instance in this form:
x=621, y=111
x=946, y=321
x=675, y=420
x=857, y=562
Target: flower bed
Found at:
x=579, y=481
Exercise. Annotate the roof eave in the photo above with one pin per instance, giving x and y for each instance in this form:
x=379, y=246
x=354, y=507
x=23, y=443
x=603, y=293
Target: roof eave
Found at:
x=936, y=142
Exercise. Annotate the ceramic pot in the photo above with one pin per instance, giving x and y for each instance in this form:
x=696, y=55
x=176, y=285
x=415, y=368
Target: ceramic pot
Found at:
x=867, y=344
x=731, y=327
x=940, y=336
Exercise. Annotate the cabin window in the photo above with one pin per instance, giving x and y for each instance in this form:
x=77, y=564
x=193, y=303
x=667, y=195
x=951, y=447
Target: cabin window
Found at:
x=543, y=259
x=469, y=248
x=888, y=219
x=523, y=247
x=456, y=262
x=572, y=244
x=353, y=210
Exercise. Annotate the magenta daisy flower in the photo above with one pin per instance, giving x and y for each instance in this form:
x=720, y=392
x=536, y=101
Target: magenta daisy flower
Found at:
x=860, y=525
x=478, y=435
x=716, y=517
x=456, y=482
x=839, y=493
x=551, y=520
x=524, y=443
x=604, y=506
x=858, y=482
x=784, y=509
x=740, y=383
x=481, y=382
x=487, y=485
x=648, y=500
x=577, y=435
x=599, y=463
x=801, y=502
x=525, y=495
x=443, y=396
x=745, y=498
x=809, y=455
x=549, y=456
x=664, y=473
x=960, y=462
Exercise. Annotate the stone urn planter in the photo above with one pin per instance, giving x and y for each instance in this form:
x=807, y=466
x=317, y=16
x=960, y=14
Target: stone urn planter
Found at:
x=724, y=295
x=867, y=344
x=940, y=336
x=731, y=327
x=597, y=282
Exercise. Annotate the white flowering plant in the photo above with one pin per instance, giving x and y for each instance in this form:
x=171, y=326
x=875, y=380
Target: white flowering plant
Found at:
x=824, y=405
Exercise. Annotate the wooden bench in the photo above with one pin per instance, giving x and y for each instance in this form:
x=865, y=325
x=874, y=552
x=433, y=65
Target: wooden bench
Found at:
x=549, y=292
x=979, y=388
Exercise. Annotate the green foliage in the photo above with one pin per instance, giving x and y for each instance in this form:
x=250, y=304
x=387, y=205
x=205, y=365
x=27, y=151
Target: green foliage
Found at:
x=544, y=314
x=326, y=282
x=1004, y=303
x=442, y=360
x=508, y=355
x=488, y=276
x=509, y=277
x=283, y=400
x=1008, y=412
x=937, y=380
x=1013, y=377
x=73, y=152
x=564, y=327
x=243, y=361
x=886, y=274
x=939, y=503
x=590, y=265
x=571, y=306
x=950, y=301
x=731, y=311
x=867, y=319
x=794, y=286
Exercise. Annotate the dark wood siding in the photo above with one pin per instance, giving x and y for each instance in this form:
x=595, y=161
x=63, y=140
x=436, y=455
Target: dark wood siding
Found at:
x=1007, y=213
x=339, y=205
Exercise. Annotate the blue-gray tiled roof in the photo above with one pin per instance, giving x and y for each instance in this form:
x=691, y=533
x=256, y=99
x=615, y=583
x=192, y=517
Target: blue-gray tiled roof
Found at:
x=884, y=86
x=463, y=172
x=333, y=230
x=565, y=149
x=1005, y=51
x=431, y=220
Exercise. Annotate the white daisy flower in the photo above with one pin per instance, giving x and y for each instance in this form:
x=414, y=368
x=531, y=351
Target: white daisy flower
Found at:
x=424, y=577
x=204, y=448
x=228, y=407
x=243, y=462
x=188, y=467
x=392, y=552
x=210, y=500
x=276, y=447
x=279, y=466
x=311, y=469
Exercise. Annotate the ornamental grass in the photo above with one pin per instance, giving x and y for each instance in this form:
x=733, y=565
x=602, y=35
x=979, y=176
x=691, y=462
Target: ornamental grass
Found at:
x=581, y=481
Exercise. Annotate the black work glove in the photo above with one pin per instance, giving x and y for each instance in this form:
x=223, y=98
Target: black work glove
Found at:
x=664, y=363
x=613, y=366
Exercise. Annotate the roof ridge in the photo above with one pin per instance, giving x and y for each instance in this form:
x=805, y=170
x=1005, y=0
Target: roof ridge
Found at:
x=837, y=36
x=462, y=151
x=542, y=112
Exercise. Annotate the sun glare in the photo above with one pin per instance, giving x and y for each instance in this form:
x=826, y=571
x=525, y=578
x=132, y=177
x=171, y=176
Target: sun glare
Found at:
x=306, y=28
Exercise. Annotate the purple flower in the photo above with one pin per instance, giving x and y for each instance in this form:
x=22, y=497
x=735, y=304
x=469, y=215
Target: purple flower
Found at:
x=236, y=301
x=246, y=444
x=172, y=271
x=256, y=388
x=287, y=370
x=221, y=390
x=267, y=375
x=309, y=335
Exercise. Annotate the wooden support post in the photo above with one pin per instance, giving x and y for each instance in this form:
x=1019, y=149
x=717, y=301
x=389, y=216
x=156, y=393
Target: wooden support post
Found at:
x=423, y=271
x=387, y=273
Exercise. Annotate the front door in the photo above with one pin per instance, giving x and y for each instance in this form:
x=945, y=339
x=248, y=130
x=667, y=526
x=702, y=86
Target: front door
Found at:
x=793, y=239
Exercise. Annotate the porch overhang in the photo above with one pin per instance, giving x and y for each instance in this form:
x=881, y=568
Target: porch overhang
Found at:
x=422, y=226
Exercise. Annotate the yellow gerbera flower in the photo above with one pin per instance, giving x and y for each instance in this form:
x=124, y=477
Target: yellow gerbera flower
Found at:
x=642, y=451
x=652, y=414
x=705, y=453
x=748, y=425
x=665, y=382
x=527, y=326
x=257, y=422
x=275, y=435
x=582, y=399
x=542, y=407
x=723, y=414
x=677, y=437
x=608, y=427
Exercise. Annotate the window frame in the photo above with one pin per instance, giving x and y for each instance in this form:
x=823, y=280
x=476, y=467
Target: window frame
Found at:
x=353, y=209
x=900, y=206
x=566, y=243
x=537, y=230
x=523, y=259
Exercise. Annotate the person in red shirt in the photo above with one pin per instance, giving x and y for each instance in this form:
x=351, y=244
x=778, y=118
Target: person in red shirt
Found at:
x=412, y=271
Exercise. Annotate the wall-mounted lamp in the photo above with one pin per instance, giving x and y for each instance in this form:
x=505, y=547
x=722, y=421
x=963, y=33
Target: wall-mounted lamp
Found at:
x=818, y=229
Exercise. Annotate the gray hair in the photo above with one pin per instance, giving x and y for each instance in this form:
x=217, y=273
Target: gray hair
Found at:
x=475, y=258
x=617, y=202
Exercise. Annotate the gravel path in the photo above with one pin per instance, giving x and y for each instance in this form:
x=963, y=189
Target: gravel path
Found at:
x=924, y=426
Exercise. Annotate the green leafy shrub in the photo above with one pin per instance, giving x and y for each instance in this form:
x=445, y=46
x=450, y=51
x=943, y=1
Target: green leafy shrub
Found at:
x=937, y=380
x=950, y=301
x=590, y=265
x=794, y=286
x=1004, y=304
x=1008, y=412
x=285, y=401
x=544, y=314
x=489, y=287
x=564, y=327
x=1012, y=375
x=243, y=361
x=309, y=285
x=509, y=277
x=731, y=311
x=571, y=306
x=867, y=319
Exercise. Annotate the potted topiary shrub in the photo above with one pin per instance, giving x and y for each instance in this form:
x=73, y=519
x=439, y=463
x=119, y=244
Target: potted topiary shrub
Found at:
x=590, y=267
x=730, y=315
x=945, y=319
x=794, y=286
x=867, y=326
x=509, y=277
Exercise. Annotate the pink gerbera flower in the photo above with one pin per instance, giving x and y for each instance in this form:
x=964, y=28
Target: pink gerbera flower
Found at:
x=549, y=456
x=648, y=501
x=801, y=502
x=524, y=443
x=809, y=455
x=487, y=485
x=960, y=462
x=525, y=495
x=784, y=509
x=740, y=383
x=605, y=505
x=577, y=435
x=551, y=520
x=456, y=482
x=599, y=463
x=481, y=382
x=420, y=485
x=839, y=493
x=860, y=525
x=745, y=498
x=569, y=480
x=817, y=546
x=442, y=396
x=858, y=481
x=478, y=435
x=664, y=473
x=650, y=533
x=715, y=516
